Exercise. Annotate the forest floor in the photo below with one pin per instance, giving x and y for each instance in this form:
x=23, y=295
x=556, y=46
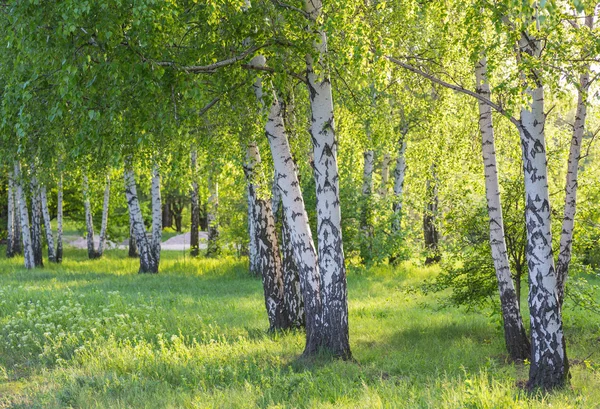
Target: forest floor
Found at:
x=94, y=334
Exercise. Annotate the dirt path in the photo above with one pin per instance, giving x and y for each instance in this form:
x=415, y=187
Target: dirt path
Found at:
x=179, y=242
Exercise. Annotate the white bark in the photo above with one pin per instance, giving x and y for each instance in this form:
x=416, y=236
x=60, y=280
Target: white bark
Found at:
x=213, y=246
x=549, y=366
x=10, y=223
x=368, y=165
x=156, y=215
x=36, y=220
x=295, y=214
x=104, y=226
x=89, y=223
x=147, y=262
x=329, y=231
x=252, y=158
x=59, y=221
x=399, y=174
x=195, y=198
x=515, y=336
x=24, y=218
x=47, y=226
x=568, y=222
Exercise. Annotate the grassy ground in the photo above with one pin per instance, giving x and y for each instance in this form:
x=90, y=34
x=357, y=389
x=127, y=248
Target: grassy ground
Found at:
x=94, y=334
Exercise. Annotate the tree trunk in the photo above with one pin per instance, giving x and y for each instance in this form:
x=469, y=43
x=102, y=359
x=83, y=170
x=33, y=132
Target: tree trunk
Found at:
x=59, y=221
x=156, y=216
x=36, y=222
x=148, y=264
x=367, y=206
x=268, y=258
x=167, y=217
x=430, y=231
x=89, y=223
x=568, y=222
x=24, y=219
x=103, y=228
x=292, y=290
x=133, y=248
x=10, y=222
x=385, y=174
x=329, y=229
x=517, y=343
x=18, y=237
x=213, y=245
x=48, y=226
x=177, y=213
x=301, y=240
x=549, y=366
x=194, y=235
x=399, y=173
x=252, y=156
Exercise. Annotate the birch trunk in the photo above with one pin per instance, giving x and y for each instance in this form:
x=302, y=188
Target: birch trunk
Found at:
x=385, y=174
x=367, y=205
x=133, y=248
x=292, y=289
x=304, y=252
x=24, y=219
x=430, y=231
x=48, y=226
x=329, y=231
x=36, y=222
x=156, y=216
x=104, y=227
x=148, y=263
x=549, y=366
x=213, y=246
x=18, y=239
x=568, y=222
x=249, y=171
x=59, y=221
x=10, y=222
x=399, y=173
x=268, y=258
x=195, y=228
x=89, y=223
x=517, y=343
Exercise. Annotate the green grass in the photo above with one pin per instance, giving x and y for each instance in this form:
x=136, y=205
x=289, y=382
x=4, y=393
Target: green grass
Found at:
x=94, y=334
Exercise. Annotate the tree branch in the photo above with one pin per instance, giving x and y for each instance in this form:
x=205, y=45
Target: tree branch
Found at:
x=271, y=70
x=457, y=88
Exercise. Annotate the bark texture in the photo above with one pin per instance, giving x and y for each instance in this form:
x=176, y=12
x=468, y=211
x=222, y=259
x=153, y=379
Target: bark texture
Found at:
x=430, y=230
x=568, y=222
x=104, y=226
x=213, y=248
x=10, y=219
x=329, y=232
x=385, y=174
x=517, y=343
x=549, y=366
x=89, y=222
x=148, y=264
x=47, y=226
x=252, y=160
x=156, y=216
x=24, y=218
x=36, y=221
x=399, y=173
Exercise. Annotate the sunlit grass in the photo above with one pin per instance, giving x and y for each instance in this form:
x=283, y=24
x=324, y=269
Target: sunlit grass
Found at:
x=96, y=334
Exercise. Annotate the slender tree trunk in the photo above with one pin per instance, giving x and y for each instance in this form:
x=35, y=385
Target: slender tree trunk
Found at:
x=385, y=174
x=213, y=245
x=249, y=168
x=329, y=228
x=104, y=227
x=292, y=289
x=194, y=238
x=59, y=221
x=24, y=219
x=148, y=264
x=549, y=365
x=156, y=216
x=177, y=213
x=430, y=231
x=568, y=222
x=302, y=244
x=89, y=223
x=48, y=226
x=399, y=173
x=517, y=343
x=18, y=239
x=133, y=248
x=167, y=216
x=366, y=216
x=268, y=258
x=36, y=222
x=10, y=224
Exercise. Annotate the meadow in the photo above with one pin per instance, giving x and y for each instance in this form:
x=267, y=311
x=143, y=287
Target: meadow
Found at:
x=95, y=334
